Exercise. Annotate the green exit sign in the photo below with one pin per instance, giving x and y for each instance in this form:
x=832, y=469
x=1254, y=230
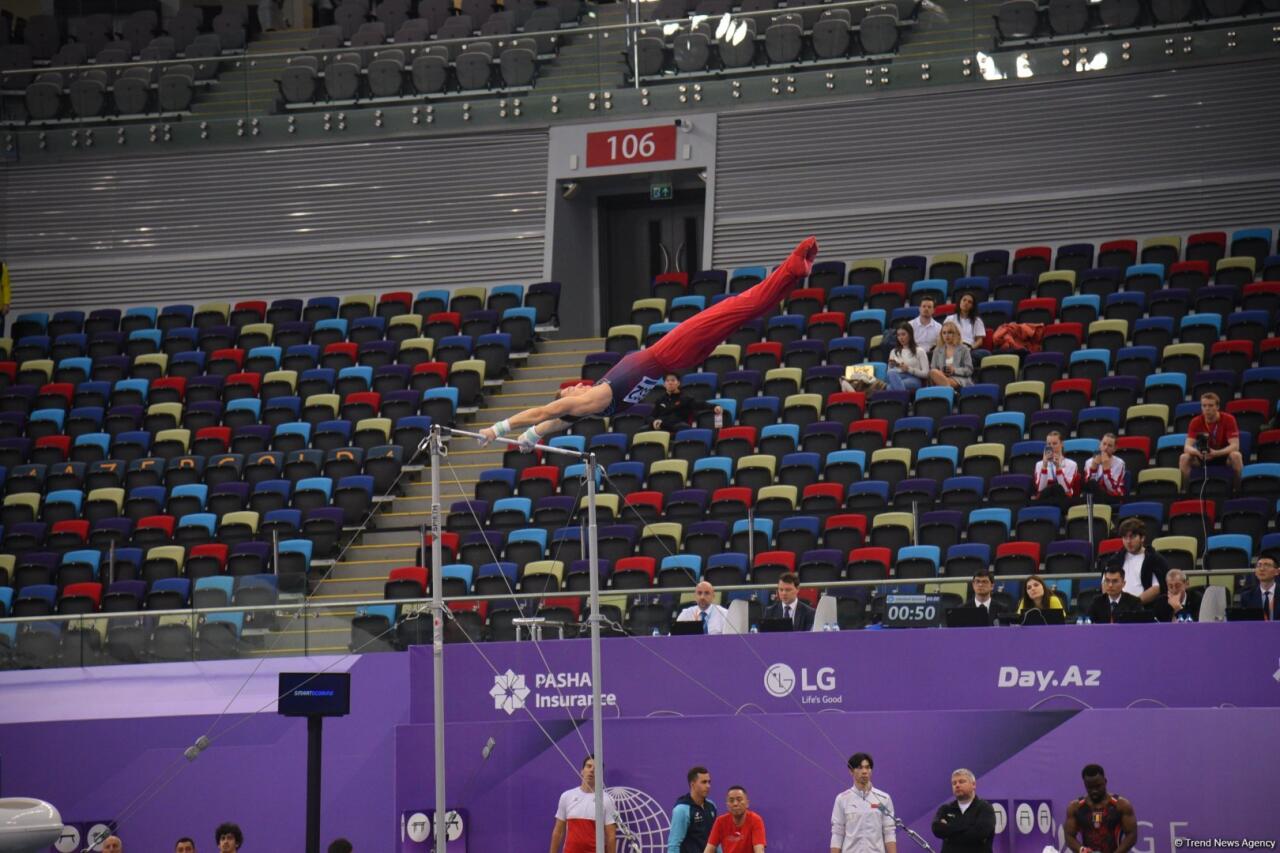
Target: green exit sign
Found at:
x=660, y=192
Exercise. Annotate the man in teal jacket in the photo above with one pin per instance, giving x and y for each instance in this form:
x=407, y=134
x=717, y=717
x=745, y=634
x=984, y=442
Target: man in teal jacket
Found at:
x=693, y=815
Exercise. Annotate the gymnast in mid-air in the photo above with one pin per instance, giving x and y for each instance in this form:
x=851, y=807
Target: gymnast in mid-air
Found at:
x=684, y=347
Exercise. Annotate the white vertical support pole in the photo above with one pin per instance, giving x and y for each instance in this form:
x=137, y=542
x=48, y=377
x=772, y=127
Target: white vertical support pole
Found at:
x=635, y=64
x=437, y=640
x=597, y=718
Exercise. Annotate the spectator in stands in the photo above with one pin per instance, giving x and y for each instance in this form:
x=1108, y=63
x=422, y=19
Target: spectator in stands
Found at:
x=1104, y=474
x=924, y=327
x=967, y=824
x=981, y=588
x=228, y=837
x=1143, y=569
x=972, y=332
x=674, y=411
x=112, y=844
x=1106, y=821
x=1036, y=596
x=1114, y=602
x=861, y=819
x=1179, y=603
x=340, y=845
x=575, y=825
x=1263, y=593
x=787, y=605
x=688, y=344
x=1055, y=474
x=1212, y=436
x=693, y=816
x=184, y=845
x=951, y=363
x=714, y=618
x=739, y=831
x=908, y=363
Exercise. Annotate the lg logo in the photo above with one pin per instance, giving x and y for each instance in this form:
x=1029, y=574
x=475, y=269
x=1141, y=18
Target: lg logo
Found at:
x=780, y=680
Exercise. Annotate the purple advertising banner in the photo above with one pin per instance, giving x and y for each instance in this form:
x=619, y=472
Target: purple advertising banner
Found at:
x=1061, y=667
x=1028, y=762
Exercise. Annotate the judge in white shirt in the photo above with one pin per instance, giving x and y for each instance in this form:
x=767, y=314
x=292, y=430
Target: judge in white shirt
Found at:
x=862, y=818
x=714, y=618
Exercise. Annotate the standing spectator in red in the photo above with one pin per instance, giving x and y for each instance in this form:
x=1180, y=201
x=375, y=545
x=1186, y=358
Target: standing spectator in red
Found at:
x=1212, y=436
x=739, y=831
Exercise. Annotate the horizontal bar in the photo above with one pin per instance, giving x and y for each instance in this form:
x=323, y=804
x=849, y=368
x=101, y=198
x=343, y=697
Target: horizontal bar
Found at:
x=563, y=451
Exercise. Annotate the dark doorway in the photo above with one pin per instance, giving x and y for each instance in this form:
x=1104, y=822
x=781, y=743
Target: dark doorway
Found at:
x=640, y=239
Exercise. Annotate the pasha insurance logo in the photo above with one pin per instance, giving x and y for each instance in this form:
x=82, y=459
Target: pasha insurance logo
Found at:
x=509, y=692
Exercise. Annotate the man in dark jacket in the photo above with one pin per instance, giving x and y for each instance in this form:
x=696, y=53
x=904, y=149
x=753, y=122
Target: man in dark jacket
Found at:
x=968, y=823
x=1114, y=602
x=675, y=410
x=693, y=815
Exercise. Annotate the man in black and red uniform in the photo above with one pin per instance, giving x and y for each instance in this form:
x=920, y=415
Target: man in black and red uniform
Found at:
x=1100, y=822
x=688, y=344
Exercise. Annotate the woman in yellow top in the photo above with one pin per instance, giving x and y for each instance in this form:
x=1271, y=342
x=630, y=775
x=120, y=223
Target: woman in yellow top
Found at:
x=1038, y=597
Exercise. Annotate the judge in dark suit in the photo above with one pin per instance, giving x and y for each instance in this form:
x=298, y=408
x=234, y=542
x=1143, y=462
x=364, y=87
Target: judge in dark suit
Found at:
x=1178, y=602
x=787, y=605
x=1114, y=601
x=1263, y=593
x=980, y=595
x=967, y=824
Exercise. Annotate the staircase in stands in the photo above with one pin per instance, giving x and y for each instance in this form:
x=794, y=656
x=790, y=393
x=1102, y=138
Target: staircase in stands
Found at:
x=393, y=541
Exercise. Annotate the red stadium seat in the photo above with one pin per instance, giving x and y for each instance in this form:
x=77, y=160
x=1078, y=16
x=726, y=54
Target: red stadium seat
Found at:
x=417, y=574
x=646, y=565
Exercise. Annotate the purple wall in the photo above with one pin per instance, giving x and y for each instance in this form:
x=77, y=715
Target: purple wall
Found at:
x=776, y=713
x=254, y=773
x=793, y=768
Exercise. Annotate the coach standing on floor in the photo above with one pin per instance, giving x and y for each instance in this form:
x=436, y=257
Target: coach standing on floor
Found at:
x=693, y=816
x=862, y=818
x=967, y=824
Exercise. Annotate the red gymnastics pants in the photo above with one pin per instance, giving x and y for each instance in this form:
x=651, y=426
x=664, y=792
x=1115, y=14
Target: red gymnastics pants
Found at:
x=693, y=340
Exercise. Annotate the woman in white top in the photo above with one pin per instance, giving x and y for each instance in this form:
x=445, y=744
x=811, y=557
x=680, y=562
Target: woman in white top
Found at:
x=908, y=363
x=966, y=319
